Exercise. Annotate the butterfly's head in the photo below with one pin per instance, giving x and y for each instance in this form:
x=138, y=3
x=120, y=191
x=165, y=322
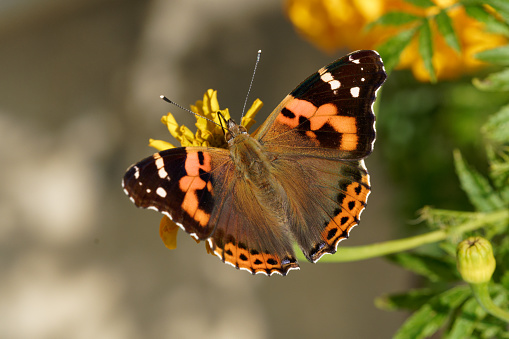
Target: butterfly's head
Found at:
x=233, y=130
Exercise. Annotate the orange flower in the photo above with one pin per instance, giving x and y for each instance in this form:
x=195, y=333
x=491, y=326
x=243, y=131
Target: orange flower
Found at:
x=333, y=24
x=207, y=134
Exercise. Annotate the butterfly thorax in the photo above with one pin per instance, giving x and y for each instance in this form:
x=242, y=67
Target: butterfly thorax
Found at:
x=254, y=165
x=250, y=159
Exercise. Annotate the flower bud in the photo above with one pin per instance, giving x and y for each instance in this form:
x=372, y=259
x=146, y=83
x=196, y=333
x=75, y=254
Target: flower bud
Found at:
x=475, y=260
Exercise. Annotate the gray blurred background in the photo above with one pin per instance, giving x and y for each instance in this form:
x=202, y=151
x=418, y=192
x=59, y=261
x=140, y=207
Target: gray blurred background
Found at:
x=79, y=98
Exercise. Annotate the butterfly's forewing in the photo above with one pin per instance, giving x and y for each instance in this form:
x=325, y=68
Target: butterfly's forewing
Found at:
x=180, y=183
x=330, y=113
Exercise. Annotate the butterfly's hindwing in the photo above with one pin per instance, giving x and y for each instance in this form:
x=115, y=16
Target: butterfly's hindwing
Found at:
x=327, y=199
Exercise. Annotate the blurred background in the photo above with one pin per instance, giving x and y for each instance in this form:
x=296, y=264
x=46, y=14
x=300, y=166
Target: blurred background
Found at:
x=79, y=99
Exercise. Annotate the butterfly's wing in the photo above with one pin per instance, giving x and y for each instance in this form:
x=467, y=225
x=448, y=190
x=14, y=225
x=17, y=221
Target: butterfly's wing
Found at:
x=326, y=199
x=330, y=113
x=321, y=132
x=199, y=190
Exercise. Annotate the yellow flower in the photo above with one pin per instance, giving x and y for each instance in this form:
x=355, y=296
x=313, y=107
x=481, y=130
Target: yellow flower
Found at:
x=207, y=134
x=334, y=24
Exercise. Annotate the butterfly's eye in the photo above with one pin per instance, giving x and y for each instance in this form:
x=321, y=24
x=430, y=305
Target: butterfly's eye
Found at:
x=242, y=129
x=227, y=136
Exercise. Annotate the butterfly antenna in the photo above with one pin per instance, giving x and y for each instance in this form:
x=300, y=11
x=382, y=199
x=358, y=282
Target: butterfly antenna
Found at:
x=188, y=110
x=221, y=119
x=251, y=83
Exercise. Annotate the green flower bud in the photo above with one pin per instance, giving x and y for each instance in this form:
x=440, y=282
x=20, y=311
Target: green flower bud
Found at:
x=475, y=260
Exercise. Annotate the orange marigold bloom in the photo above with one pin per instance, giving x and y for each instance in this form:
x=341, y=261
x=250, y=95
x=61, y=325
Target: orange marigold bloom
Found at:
x=334, y=24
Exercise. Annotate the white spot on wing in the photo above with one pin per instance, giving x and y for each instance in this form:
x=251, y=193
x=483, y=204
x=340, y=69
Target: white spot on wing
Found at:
x=161, y=192
x=160, y=166
x=334, y=84
x=327, y=77
x=137, y=172
x=354, y=91
x=162, y=173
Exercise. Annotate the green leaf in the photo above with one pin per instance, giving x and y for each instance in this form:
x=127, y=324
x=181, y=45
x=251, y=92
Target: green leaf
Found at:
x=497, y=56
x=435, y=269
x=497, y=126
x=495, y=82
x=501, y=6
x=492, y=24
x=446, y=29
x=391, y=49
x=395, y=18
x=478, y=189
x=466, y=321
x=411, y=300
x=433, y=315
x=421, y=3
x=426, y=48
x=498, y=158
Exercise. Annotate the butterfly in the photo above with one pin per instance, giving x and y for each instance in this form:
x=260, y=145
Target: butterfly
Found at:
x=300, y=177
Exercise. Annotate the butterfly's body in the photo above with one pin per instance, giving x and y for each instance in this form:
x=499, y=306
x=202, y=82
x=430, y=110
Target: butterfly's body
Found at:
x=299, y=178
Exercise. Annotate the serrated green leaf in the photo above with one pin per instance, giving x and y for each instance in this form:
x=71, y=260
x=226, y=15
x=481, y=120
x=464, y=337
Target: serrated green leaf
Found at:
x=495, y=82
x=492, y=24
x=435, y=269
x=478, y=189
x=391, y=49
x=446, y=29
x=433, y=315
x=426, y=48
x=421, y=3
x=411, y=300
x=466, y=320
x=394, y=18
x=497, y=56
x=497, y=126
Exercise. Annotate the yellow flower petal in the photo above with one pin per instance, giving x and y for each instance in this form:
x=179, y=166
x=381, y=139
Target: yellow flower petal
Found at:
x=171, y=124
x=186, y=133
x=160, y=145
x=168, y=232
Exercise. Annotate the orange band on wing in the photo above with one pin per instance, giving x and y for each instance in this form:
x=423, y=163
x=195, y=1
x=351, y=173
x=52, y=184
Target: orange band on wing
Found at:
x=192, y=183
x=349, y=142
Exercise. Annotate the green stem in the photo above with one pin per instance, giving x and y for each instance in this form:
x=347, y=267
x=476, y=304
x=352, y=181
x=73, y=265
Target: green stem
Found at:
x=354, y=253
x=483, y=297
